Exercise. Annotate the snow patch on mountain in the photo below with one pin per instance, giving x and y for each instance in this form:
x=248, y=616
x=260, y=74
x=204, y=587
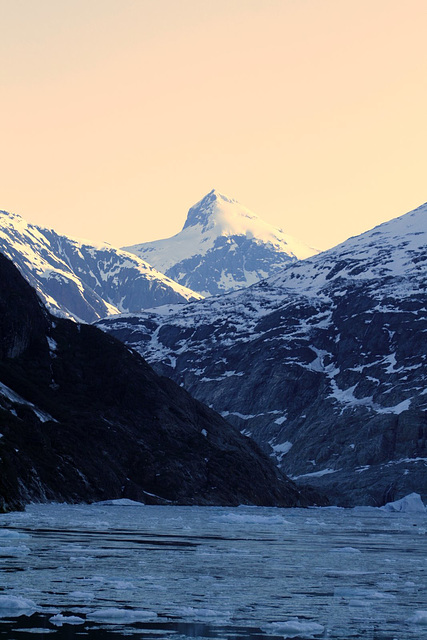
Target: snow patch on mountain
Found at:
x=8, y=398
x=395, y=249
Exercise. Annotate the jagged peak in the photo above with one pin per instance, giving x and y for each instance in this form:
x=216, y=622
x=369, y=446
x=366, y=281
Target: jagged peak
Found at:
x=213, y=205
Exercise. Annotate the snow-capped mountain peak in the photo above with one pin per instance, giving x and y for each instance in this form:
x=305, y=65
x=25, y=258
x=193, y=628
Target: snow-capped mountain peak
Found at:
x=218, y=211
x=219, y=215
x=223, y=246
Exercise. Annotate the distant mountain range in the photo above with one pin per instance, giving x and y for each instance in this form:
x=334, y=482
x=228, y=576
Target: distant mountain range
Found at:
x=223, y=246
x=323, y=364
x=81, y=280
x=83, y=418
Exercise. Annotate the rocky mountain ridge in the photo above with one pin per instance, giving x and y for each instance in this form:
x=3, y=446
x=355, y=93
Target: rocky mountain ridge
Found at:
x=223, y=246
x=81, y=280
x=324, y=364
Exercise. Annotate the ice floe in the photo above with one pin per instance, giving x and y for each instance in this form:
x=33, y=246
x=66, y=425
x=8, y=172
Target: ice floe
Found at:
x=58, y=620
x=16, y=606
x=119, y=502
x=411, y=503
x=419, y=617
x=115, y=615
x=294, y=628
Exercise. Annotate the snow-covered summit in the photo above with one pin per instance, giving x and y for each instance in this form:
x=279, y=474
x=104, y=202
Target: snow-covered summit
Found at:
x=223, y=246
x=223, y=216
x=203, y=211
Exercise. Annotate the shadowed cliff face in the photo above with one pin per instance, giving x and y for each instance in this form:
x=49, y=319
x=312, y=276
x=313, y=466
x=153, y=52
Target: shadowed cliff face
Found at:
x=83, y=418
x=23, y=320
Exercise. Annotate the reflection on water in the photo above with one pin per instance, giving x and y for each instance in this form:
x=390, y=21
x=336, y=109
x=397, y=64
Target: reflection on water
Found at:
x=102, y=571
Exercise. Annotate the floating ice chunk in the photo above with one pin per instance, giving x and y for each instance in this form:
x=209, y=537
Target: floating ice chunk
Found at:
x=10, y=533
x=59, y=620
x=119, y=502
x=419, y=617
x=16, y=606
x=14, y=551
x=294, y=628
x=112, y=615
x=411, y=503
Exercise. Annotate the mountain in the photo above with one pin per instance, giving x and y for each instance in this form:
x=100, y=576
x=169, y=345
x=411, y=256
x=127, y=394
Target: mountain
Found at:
x=84, y=418
x=223, y=246
x=78, y=279
x=324, y=364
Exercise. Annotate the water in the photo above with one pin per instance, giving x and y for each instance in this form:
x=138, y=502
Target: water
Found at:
x=101, y=572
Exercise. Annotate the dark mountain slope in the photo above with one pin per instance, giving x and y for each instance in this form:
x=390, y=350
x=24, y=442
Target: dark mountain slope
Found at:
x=325, y=364
x=83, y=418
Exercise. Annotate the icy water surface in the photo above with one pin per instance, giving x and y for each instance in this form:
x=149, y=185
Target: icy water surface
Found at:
x=109, y=572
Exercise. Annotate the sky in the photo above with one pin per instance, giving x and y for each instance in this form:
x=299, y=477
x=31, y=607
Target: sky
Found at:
x=118, y=115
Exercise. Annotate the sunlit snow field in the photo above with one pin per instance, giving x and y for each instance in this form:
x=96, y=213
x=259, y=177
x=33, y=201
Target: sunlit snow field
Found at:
x=111, y=571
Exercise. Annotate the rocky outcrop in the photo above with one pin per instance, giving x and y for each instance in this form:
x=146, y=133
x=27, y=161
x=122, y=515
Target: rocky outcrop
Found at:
x=83, y=418
x=324, y=365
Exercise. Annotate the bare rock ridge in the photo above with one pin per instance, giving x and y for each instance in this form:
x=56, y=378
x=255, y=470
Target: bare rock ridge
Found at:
x=323, y=364
x=81, y=280
x=223, y=246
x=83, y=418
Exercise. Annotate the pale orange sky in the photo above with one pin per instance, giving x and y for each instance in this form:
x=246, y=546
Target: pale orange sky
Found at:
x=118, y=115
